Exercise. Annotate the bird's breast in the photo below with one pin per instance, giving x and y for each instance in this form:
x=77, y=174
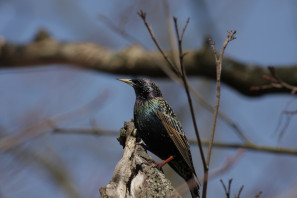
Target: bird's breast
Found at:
x=145, y=118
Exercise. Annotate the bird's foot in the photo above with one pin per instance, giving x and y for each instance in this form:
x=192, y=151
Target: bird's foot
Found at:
x=160, y=165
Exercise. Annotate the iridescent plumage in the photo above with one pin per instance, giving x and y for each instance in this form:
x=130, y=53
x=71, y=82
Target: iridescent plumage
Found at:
x=160, y=130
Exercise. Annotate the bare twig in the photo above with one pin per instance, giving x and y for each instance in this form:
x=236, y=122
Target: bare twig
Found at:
x=239, y=192
x=267, y=149
x=227, y=191
x=143, y=17
x=282, y=127
x=111, y=25
x=288, y=115
x=185, y=82
x=275, y=82
x=219, y=62
x=171, y=35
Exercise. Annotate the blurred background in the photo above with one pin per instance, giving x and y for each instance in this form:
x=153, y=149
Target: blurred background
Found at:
x=34, y=101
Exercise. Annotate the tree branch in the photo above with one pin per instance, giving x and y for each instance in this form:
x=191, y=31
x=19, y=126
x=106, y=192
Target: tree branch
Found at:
x=44, y=50
x=248, y=146
x=261, y=148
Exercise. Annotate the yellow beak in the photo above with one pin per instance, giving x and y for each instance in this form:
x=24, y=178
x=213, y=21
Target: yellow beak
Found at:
x=128, y=81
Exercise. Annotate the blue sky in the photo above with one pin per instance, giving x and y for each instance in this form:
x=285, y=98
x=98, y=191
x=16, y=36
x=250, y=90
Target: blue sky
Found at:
x=266, y=36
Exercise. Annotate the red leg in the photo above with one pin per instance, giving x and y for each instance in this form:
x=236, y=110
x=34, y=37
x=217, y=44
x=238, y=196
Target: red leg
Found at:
x=159, y=165
x=164, y=162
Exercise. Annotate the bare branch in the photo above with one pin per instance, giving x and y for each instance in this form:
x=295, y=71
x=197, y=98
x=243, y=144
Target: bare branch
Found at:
x=143, y=17
x=110, y=24
x=275, y=82
x=135, y=61
x=227, y=191
x=184, y=29
x=239, y=192
x=288, y=115
x=219, y=62
x=253, y=147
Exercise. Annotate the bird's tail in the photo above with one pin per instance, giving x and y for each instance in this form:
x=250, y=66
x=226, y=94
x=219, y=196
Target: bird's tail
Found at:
x=194, y=186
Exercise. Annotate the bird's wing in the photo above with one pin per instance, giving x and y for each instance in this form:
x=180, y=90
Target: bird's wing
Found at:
x=177, y=136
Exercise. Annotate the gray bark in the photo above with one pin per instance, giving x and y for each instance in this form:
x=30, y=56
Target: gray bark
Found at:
x=136, y=175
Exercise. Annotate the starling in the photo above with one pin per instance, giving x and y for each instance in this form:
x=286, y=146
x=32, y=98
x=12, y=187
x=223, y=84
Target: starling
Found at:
x=160, y=130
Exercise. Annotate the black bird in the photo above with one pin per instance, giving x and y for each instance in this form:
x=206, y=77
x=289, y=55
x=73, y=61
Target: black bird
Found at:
x=160, y=130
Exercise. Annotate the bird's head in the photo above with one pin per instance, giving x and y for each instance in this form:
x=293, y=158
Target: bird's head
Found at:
x=144, y=88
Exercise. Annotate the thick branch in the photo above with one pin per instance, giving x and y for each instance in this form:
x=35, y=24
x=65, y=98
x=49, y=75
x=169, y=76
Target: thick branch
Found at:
x=136, y=61
x=135, y=174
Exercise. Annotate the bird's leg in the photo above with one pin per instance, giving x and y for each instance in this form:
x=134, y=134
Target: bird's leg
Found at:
x=160, y=165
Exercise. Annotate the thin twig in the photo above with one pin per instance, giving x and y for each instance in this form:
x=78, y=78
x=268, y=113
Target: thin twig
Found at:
x=254, y=147
x=224, y=186
x=143, y=17
x=275, y=82
x=184, y=29
x=219, y=62
x=239, y=192
x=227, y=191
x=112, y=26
x=229, y=186
x=172, y=38
x=185, y=82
